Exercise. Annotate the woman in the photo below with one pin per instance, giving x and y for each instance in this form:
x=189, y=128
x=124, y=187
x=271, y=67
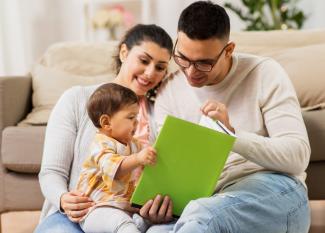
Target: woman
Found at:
x=141, y=64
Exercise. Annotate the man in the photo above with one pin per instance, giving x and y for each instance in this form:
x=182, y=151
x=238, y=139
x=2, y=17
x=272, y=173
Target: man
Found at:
x=262, y=187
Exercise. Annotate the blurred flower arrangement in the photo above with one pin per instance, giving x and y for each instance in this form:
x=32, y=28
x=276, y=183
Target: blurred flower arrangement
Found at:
x=111, y=18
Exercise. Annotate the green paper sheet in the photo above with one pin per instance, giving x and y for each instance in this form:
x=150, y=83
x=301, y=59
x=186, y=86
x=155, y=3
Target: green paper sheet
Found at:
x=190, y=159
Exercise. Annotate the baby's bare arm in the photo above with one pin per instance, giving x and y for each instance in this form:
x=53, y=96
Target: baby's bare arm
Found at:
x=147, y=156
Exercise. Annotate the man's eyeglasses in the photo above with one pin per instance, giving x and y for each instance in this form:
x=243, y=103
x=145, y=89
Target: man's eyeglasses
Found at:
x=199, y=65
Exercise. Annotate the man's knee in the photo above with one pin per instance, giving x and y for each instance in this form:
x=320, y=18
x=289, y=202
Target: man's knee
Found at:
x=211, y=206
x=196, y=208
x=196, y=217
x=206, y=215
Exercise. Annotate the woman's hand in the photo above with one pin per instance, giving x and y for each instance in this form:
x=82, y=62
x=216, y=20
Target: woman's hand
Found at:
x=75, y=204
x=218, y=112
x=159, y=210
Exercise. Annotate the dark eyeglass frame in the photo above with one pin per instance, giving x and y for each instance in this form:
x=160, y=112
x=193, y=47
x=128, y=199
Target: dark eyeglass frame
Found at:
x=196, y=63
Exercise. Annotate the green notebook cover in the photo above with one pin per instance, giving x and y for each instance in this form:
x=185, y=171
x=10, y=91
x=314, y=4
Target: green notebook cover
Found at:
x=190, y=159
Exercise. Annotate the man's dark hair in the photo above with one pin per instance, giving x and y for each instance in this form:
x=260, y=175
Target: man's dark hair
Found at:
x=141, y=33
x=108, y=99
x=204, y=20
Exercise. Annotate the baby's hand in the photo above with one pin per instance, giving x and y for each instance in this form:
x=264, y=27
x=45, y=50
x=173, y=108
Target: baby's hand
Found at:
x=147, y=156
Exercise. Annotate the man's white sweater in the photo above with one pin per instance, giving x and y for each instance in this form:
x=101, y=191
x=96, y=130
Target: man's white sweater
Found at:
x=263, y=109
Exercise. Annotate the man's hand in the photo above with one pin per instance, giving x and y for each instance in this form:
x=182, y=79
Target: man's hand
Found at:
x=147, y=156
x=75, y=204
x=159, y=210
x=218, y=112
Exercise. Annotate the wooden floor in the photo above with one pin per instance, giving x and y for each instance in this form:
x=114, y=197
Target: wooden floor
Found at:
x=19, y=222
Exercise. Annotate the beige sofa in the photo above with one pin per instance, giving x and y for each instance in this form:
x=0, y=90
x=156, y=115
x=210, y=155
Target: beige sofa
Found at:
x=302, y=54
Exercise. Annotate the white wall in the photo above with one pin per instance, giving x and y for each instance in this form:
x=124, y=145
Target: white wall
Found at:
x=314, y=10
x=28, y=27
x=166, y=13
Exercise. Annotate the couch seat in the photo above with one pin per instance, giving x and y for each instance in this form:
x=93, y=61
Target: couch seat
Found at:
x=19, y=142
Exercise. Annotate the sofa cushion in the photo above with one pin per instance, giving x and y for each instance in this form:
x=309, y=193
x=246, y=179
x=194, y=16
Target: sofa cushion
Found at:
x=315, y=179
x=65, y=65
x=301, y=53
x=19, y=142
x=21, y=192
x=306, y=70
x=315, y=124
x=69, y=64
x=49, y=84
x=263, y=42
x=81, y=58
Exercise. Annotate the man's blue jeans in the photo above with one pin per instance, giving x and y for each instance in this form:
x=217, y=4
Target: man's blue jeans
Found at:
x=259, y=203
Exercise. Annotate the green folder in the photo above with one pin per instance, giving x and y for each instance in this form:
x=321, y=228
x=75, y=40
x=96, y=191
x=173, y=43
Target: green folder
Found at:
x=190, y=159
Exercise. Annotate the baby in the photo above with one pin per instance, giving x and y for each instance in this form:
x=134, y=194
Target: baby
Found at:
x=109, y=175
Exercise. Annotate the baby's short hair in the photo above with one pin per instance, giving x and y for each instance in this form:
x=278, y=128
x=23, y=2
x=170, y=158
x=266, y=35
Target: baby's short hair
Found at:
x=108, y=99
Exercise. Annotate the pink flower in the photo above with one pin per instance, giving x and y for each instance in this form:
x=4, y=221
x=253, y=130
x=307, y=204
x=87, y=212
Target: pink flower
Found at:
x=112, y=16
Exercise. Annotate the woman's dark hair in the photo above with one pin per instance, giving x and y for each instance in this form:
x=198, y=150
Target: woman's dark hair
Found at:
x=204, y=20
x=140, y=33
x=108, y=99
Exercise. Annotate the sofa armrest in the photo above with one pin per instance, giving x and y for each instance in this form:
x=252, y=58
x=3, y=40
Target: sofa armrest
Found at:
x=15, y=103
x=15, y=99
